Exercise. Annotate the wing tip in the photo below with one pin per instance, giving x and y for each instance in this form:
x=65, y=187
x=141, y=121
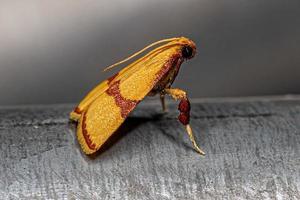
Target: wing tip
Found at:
x=75, y=114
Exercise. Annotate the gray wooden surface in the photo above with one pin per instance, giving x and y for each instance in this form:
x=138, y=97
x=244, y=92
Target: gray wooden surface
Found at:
x=252, y=152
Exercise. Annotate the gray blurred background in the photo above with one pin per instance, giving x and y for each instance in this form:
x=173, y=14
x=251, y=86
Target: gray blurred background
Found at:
x=54, y=51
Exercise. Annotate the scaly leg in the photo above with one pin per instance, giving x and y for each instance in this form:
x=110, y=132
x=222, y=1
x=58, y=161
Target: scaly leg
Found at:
x=184, y=116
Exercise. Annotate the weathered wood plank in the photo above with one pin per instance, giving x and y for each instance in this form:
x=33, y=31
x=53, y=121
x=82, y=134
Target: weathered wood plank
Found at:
x=252, y=152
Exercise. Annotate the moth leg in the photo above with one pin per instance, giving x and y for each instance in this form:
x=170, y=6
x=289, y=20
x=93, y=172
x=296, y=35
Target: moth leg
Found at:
x=176, y=93
x=163, y=102
x=184, y=117
x=191, y=136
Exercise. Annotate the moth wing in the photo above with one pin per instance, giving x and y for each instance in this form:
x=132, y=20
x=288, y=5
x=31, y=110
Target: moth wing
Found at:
x=108, y=111
x=160, y=56
x=90, y=97
x=99, y=90
x=98, y=122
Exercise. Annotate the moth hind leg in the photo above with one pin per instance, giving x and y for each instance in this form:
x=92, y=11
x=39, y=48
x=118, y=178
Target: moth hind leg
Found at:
x=184, y=116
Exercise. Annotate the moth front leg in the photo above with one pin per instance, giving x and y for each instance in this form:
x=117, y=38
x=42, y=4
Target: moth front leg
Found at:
x=184, y=117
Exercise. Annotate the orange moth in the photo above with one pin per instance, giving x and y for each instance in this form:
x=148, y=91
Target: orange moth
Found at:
x=106, y=107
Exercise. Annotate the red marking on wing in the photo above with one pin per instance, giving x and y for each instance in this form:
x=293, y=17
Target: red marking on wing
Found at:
x=110, y=79
x=77, y=110
x=184, y=107
x=86, y=134
x=126, y=105
x=176, y=60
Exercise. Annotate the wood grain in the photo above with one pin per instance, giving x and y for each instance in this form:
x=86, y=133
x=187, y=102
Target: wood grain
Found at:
x=252, y=152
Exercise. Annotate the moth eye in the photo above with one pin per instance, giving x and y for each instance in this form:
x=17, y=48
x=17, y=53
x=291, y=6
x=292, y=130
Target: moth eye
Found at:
x=187, y=51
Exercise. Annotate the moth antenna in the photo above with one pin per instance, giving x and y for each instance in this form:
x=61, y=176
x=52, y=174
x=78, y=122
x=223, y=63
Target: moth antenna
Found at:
x=139, y=52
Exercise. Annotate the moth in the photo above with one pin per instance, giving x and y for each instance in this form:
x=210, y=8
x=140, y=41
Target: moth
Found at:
x=106, y=107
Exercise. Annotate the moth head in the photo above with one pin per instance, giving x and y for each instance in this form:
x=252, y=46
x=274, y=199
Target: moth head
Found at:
x=188, y=48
